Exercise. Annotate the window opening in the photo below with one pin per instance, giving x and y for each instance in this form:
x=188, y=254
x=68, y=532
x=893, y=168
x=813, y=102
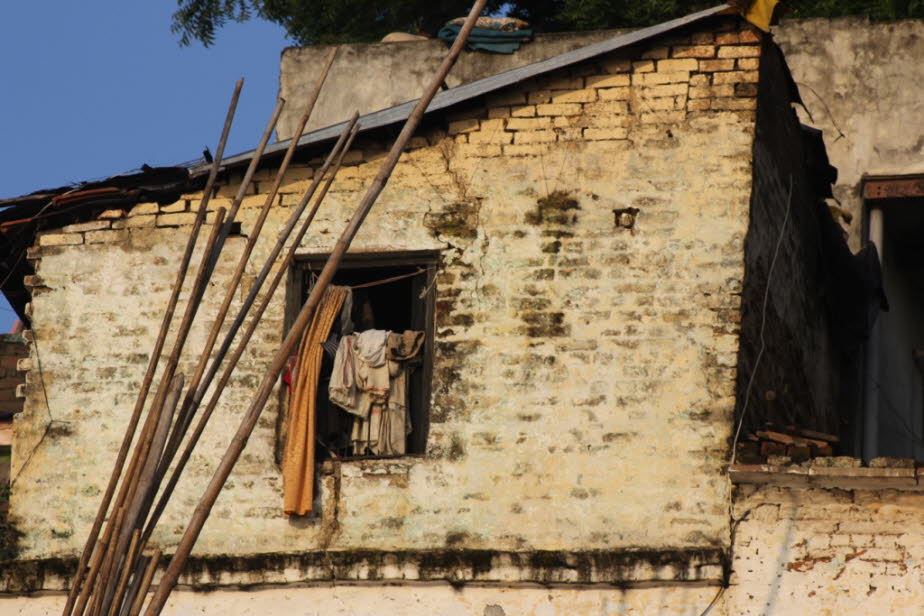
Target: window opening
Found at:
x=894, y=400
x=391, y=294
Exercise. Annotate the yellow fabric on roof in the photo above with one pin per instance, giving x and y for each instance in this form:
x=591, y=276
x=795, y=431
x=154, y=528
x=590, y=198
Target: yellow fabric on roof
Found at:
x=760, y=13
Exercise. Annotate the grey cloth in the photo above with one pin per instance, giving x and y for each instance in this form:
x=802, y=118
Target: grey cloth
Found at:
x=342, y=389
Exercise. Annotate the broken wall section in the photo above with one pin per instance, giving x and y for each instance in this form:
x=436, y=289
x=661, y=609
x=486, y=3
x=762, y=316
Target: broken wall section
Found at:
x=797, y=381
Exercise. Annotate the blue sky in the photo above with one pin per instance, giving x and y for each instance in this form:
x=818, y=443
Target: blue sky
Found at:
x=91, y=89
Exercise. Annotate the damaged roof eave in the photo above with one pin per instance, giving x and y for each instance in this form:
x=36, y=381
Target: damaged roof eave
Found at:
x=474, y=89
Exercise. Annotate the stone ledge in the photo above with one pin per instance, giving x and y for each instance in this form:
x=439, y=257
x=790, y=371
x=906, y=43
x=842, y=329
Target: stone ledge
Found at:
x=856, y=478
x=614, y=567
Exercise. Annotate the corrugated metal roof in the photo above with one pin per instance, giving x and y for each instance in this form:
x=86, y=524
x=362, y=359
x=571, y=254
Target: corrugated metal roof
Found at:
x=474, y=89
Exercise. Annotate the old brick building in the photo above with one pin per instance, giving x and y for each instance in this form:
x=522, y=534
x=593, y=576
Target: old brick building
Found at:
x=598, y=232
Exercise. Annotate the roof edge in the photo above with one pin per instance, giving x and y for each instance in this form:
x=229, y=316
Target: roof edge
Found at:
x=473, y=89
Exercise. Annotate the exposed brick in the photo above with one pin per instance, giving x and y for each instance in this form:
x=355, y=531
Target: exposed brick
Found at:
x=135, y=221
x=612, y=113
x=93, y=225
x=529, y=123
x=173, y=208
x=710, y=66
x=615, y=94
x=576, y=96
x=643, y=66
x=700, y=104
x=748, y=64
x=527, y=111
x=681, y=65
x=739, y=51
x=564, y=109
x=99, y=237
x=492, y=125
x=494, y=136
x=712, y=91
x=700, y=80
x=536, y=136
x=735, y=77
x=60, y=239
x=727, y=38
x=175, y=220
x=144, y=208
x=499, y=112
x=608, y=81
x=111, y=214
x=671, y=89
x=751, y=35
x=595, y=134
x=463, y=126
x=694, y=51
x=652, y=79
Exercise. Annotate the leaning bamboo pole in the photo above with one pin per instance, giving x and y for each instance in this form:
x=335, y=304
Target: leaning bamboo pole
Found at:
x=281, y=270
x=203, y=509
x=145, y=584
x=154, y=359
x=254, y=234
x=128, y=482
x=146, y=479
x=123, y=577
x=203, y=275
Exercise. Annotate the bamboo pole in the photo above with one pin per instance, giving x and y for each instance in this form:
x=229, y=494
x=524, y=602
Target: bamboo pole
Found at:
x=126, y=490
x=187, y=408
x=132, y=592
x=168, y=581
x=95, y=564
x=248, y=333
x=145, y=584
x=154, y=359
x=126, y=571
x=207, y=264
x=146, y=480
x=95, y=589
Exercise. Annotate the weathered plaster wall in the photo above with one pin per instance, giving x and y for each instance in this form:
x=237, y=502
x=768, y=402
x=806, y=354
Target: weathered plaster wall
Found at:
x=584, y=361
x=818, y=551
x=861, y=78
x=373, y=76
x=399, y=600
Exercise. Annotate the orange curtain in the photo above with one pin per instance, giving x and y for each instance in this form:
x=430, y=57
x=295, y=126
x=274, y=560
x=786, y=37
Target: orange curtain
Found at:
x=298, y=461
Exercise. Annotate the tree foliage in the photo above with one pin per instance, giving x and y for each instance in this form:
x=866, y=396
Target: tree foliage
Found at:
x=313, y=22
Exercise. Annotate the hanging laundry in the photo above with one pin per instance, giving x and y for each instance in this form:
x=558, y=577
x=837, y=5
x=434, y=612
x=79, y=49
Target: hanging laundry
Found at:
x=298, y=460
x=403, y=346
x=379, y=400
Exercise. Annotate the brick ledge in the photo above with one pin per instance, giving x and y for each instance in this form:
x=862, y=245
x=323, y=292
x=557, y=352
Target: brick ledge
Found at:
x=847, y=478
x=624, y=567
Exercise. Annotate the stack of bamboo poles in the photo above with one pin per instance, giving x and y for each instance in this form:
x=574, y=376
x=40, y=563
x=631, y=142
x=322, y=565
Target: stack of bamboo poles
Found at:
x=117, y=567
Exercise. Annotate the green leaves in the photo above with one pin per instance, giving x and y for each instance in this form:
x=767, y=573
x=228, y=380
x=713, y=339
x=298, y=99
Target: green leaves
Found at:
x=321, y=22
